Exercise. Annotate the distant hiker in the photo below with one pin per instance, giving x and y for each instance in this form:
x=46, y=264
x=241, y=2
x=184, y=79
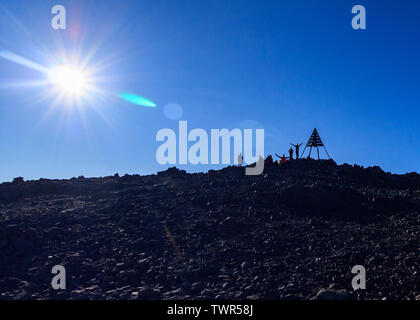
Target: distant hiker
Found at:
x=240, y=160
x=283, y=159
x=297, y=146
x=290, y=154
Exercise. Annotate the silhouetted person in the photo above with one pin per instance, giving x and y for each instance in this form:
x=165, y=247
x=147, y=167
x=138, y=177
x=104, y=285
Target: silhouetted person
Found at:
x=290, y=154
x=297, y=146
x=240, y=160
x=283, y=159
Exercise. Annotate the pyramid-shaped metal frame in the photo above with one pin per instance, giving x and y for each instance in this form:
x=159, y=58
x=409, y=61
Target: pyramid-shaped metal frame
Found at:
x=315, y=141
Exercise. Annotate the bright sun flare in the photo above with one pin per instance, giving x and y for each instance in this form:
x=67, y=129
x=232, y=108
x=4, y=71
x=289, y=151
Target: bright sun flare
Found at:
x=68, y=80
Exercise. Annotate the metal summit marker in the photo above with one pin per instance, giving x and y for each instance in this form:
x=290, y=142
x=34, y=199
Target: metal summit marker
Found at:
x=315, y=142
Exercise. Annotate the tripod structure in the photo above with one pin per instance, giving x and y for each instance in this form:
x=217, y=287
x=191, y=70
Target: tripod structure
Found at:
x=315, y=142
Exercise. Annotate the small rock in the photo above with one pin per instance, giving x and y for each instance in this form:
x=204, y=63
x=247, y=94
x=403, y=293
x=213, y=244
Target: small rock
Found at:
x=330, y=294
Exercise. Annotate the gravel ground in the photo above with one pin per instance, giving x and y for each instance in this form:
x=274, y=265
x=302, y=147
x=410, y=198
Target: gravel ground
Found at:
x=294, y=232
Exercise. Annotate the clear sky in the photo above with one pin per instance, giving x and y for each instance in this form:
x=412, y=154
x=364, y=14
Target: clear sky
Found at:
x=285, y=66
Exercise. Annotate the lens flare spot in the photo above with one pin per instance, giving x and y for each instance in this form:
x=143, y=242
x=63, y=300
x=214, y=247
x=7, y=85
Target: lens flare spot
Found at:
x=135, y=99
x=173, y=111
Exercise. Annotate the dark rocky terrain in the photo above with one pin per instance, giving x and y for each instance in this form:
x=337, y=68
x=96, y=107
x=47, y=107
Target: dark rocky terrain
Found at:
x=294, y=232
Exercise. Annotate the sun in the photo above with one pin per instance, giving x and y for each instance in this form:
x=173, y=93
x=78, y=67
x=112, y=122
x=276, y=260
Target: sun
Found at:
x=69, y=80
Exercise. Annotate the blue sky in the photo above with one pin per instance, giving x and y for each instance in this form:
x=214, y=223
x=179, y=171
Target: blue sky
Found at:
x=285, y=66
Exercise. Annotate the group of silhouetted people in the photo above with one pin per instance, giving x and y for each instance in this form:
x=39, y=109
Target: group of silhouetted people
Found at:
x=296, y=146
x=283, y=158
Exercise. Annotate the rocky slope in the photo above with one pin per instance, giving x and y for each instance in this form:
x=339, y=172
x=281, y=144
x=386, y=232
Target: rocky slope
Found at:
x=294, y=232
